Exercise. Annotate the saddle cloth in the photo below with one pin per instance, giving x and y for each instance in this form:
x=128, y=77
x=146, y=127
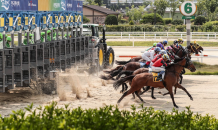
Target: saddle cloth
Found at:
x=155, y=74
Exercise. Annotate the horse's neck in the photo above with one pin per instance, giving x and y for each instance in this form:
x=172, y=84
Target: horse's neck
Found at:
x=176, y=68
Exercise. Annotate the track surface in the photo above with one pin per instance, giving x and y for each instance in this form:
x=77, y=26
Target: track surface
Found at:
x=203, y=89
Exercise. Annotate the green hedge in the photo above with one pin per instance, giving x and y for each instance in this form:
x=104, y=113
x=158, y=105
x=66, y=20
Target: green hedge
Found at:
x=167, y=20
x=107, y=118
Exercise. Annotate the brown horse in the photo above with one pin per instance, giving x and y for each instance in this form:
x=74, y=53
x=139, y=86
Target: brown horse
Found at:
x=146, y=79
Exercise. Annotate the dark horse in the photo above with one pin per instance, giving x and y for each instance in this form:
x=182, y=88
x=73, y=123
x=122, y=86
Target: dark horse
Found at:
x=146, y=79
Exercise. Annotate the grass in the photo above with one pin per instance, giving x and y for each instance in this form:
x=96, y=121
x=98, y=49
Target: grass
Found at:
x=204, y=69
x=150, y=43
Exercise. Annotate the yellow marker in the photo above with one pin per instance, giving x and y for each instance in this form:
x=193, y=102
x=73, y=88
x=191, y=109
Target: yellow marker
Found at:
x=71, y=19
x=76, y=18
x=56, y=19
x=2, y=20
x=62, y=19
x=26, y=20
x=19, y=21
x=11, y=21
x=44, y=19
x=51, y=20
x=34, y=20
x=67, y=19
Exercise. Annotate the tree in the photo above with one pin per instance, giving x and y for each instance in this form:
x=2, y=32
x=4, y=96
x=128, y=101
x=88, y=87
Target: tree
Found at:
x=174, y=5
x=149, y=18
x=99, y=2
x=90, y=2
x=85, y=19
x=111, y=20
x=201, y=7
x=146, y=3
x=161, y=6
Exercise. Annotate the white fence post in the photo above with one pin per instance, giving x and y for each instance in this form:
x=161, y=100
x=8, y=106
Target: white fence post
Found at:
x=129, y=37
x=167, y=36
x=144, y=35
x=155, y=37
x=215, y=35
x=207, y=37
x=121, y=35
x=133, y=42
x=181, y=35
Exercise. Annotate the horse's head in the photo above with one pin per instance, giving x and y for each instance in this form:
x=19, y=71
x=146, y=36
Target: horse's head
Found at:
x=192, y=49
x=199, y=48
x=187, y=63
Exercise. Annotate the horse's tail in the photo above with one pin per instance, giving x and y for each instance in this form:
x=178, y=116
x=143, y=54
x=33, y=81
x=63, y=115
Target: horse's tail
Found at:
x=116, y=72
x=122, y=62
x=127, y=73
x=105, y=77
x=121, y=81
x=112, y=70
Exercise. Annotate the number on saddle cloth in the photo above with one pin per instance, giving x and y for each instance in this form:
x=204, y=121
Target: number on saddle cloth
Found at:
x=156, y=74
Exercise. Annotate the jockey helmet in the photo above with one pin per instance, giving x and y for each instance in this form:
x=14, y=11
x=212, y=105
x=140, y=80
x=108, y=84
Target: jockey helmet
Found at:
x=195, y=42
x=8, y=39
x=155, y=44
x=165, y=42
x=162, y=52
x=180, y=40
x=174, y=42
x=157, y=49
x=165, y=57
x=169, y=48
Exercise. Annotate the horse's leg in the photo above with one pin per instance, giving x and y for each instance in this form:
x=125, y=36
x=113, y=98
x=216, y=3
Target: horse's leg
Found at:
x=131, y=90
x=126, y=87
x=152, y=93
x=181, y=77
x=121, y=91
x=133, y=96
x=175, y=90
x=137, y=94
x=171, y=95
x=181, y=87
x=145, y=90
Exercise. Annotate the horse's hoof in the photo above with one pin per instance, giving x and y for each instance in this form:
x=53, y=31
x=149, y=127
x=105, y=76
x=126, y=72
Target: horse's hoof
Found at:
x=143, y=101
x=153, y=97
x=176, y=106
x=191, y=98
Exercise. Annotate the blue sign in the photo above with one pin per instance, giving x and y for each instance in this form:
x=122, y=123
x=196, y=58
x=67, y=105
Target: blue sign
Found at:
x=79, y=6
x=19, y=5
x=69, y=5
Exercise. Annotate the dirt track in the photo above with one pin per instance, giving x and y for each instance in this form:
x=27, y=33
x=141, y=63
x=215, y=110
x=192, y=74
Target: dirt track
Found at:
x=203, y=89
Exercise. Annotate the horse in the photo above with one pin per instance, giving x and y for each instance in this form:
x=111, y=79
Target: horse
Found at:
x=198, y=47
x=146, y=79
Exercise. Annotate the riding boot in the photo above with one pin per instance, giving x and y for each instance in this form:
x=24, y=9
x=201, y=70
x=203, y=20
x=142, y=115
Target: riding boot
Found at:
x=159, y=77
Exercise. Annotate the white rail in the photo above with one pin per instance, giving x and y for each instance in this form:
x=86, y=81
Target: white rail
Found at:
x=160, y=35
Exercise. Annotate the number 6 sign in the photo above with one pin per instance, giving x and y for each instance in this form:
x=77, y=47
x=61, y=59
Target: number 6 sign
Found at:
x=188, y=8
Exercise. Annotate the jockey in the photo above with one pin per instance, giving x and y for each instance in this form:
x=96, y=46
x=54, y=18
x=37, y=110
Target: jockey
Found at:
x=170, y=53
x=179, y=41
x=152, y=48
x=158, y=56
x=162, y=44
x=149, y=55
x=159, y=66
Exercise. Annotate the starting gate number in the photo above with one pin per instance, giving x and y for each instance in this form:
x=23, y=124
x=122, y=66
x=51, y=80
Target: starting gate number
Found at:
x=188, y=8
